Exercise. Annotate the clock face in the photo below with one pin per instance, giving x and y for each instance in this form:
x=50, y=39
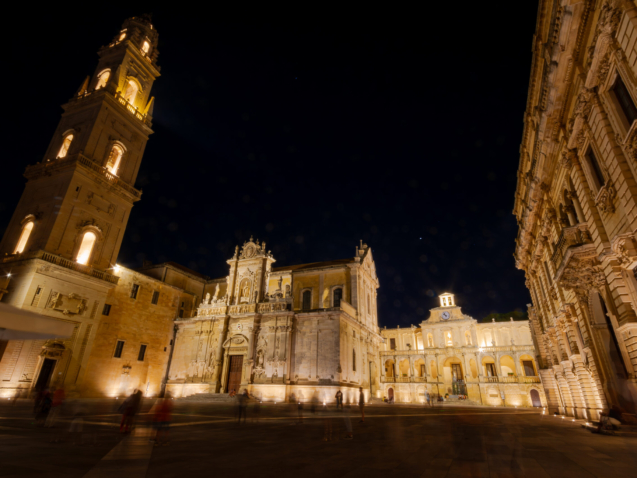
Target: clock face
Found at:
x=445, y=315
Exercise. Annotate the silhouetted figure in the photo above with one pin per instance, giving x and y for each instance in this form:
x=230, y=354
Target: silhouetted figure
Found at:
x=339, y=400
x=42, y=406
x=129, y=410
x=56, y=406
x=361, y=403
x=242, y=401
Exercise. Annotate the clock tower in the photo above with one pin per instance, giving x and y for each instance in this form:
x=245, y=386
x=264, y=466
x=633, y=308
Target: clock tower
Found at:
x=448, y=310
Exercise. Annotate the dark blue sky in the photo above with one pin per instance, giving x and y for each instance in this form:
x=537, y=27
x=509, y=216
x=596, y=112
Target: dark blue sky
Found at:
x=311, y=133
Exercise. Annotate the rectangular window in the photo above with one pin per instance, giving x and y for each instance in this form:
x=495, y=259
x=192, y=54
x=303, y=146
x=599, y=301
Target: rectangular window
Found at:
x=596, y=170
x=107, y=309
x=529, y=371
x=155, y=298
x=142, y=352
x=181, y=313
x=134, y=291
x=118, y=349
x=625, y=101
x=307, y=300
x=392, y=344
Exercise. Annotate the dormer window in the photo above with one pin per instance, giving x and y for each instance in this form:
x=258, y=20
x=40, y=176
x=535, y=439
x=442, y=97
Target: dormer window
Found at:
x=24, y=237
x=66, y=144
x=103, y=78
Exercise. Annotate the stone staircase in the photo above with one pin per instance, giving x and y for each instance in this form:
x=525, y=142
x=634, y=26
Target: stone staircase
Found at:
x=208, y=397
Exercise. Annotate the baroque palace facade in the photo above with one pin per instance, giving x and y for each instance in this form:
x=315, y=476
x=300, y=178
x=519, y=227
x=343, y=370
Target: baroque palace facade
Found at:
x=576, y=204
x=300, y=331
x=452, y=354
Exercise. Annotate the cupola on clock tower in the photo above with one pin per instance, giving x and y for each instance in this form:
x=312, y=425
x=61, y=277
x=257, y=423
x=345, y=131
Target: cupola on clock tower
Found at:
x=59, y=250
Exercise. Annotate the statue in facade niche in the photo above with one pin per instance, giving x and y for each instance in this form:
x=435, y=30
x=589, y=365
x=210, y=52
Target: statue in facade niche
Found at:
x=288, y=290
x=216, y=293
x=280, y=283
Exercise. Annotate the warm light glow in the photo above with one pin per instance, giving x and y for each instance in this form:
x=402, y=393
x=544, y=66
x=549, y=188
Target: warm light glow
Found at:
x=103, y=79
x=114, y=158
x=122, y=36
x=146, y=47
x=84, y=254
x=65, y=146
x=24, y=237
x=131, y=91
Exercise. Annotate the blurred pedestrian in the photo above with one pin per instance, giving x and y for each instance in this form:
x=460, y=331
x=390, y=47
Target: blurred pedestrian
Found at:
x=242, y=401
x=300, y=411
x=43, y=406
x=339, y=400
x=427, y=398
x=129, y=410
x=56, y=406
x=162, y=419
x=361, y=403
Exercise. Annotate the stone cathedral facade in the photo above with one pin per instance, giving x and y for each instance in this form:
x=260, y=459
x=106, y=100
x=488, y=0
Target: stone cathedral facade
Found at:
x=303, y=330
x=576, y=204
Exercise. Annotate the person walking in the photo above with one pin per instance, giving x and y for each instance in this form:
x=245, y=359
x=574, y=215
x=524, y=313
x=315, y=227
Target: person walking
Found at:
x=129, y=410
x=56, y=406
x=427, y=398
x=242, y=400
x=43, y=406
x=361, y=403
x=163, y=415
x=339, y=400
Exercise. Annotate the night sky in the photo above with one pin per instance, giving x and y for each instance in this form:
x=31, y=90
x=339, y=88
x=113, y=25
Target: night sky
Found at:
x=310, y=132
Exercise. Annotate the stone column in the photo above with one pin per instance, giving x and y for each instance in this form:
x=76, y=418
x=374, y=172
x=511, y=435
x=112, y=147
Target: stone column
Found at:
x=287, y=371
x=219, y=355
x=251, y=346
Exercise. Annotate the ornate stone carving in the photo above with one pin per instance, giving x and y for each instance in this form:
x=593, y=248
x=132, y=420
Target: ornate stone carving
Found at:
x=605, y=198
x=569, y=158
x=71, y=304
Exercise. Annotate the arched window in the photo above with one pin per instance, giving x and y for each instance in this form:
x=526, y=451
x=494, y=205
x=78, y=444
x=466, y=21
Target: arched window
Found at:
x=103, y=79
x=84, y=253
x=307, y=300
x=114, y=158
x=24, y=237
x=369, y=305
x=146, y=47
x=66, y=144
x=338, y=295
x=354, y=360
x=131, y=91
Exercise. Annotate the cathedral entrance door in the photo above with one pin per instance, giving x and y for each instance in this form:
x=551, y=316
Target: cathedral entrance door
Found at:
x=45, y=374
x=390, y=394
x=234, y=373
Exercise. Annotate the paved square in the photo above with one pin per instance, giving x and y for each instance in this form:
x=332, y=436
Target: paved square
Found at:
x=393, y=441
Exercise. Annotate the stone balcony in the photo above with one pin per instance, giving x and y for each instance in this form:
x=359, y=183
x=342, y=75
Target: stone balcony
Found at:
x=570, y=237
x=482, y=379
x=66, y=263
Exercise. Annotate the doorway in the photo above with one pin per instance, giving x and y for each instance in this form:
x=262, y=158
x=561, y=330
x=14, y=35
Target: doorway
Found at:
x=234, y=373
x=45, y=374
x=535, y=398
x=456, y=372
x=390, y=394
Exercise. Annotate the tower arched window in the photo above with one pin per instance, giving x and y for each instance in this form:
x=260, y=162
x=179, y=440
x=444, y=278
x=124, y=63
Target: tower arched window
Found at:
x=114, y=158
x=307, y=300
x=103, y=78
x=86, y=247
x=131, y=91
x=146, y=47
x=338, y=295
x=66, y=144
x=24, y=237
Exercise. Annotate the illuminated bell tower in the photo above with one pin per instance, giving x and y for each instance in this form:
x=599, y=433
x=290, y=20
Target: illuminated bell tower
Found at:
x=59, y=250
x=77, y=201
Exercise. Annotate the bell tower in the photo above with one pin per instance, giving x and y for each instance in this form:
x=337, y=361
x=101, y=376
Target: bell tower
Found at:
x=78, y=199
